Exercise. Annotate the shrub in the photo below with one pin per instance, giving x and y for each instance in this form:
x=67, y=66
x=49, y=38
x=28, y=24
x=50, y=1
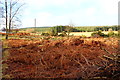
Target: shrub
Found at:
x=63, y=34
x=53, y=32
x=118, y=33
x=45, y=34
x=99, y=34
x=111, y=34
x=83, y=36
x=57, y=29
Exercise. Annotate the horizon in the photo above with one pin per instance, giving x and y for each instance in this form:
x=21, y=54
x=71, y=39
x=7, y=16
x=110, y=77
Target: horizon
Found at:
x=64, y=25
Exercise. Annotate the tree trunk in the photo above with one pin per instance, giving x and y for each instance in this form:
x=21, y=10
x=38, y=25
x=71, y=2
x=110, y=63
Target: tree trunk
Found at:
x=6, y=36
x=10, y=18
x=6, y=19
x=68, y=34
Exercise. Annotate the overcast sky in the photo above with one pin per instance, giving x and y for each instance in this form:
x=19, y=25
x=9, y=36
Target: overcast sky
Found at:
x=64, y=12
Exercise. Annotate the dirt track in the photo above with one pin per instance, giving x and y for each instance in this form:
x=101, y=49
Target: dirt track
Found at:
x=68, y=58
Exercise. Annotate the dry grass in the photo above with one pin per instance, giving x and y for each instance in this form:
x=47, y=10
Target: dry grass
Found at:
x=87, y=34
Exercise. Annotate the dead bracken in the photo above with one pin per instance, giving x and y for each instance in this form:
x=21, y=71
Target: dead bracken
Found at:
x=69, y=58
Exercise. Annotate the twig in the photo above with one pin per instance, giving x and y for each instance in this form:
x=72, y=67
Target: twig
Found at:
x=112, y=58
x=85, y=59
x=62, y=56
x=116, y=75
x=79, y=63
x=43, y=62
x=105, y=50
x=103, y=59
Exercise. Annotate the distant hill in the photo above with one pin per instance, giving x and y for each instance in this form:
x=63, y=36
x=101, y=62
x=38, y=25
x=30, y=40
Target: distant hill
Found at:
x=36, y=27
x=77, y=28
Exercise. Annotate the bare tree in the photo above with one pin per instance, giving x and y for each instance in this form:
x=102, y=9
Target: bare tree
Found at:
x=12, y=9
x=6, y=19
x=69, y=28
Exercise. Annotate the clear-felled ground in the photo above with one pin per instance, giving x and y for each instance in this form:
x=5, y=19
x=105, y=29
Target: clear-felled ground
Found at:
x=89, y=58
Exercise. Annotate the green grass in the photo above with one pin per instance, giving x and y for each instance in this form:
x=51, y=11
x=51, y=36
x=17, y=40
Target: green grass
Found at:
x=47, y=29
x=39, y=29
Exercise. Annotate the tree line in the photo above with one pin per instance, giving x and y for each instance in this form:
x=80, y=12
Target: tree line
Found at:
x=97, y=31
x=58, y=29
x=96, y=28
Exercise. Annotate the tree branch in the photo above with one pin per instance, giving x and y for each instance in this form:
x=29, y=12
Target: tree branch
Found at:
x=13, y=4
x=16, y=11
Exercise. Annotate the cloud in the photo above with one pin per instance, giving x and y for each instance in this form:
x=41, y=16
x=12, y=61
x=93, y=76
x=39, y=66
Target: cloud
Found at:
x=109, y=6
x=43, y=18
x=90, y=11
x=61, y=12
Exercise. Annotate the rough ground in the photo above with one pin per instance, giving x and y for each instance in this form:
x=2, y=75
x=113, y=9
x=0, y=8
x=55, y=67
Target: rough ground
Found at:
x=89, y=58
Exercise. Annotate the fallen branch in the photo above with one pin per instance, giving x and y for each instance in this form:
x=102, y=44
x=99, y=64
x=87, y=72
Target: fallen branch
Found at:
x=112, y=58
x=85, y=59
x=79, y=63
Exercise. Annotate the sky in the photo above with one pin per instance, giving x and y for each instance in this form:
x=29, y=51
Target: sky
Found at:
x=65, y=12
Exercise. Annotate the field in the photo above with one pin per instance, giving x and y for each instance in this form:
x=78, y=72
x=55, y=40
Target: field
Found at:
x=88, y=34
x=86, y=31
x=38, y=29
x=73, y=58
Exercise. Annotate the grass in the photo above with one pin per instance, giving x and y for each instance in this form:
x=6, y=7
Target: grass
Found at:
x=87, y=34
x=83, y=34
x=38, y=29
x=5, y=56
